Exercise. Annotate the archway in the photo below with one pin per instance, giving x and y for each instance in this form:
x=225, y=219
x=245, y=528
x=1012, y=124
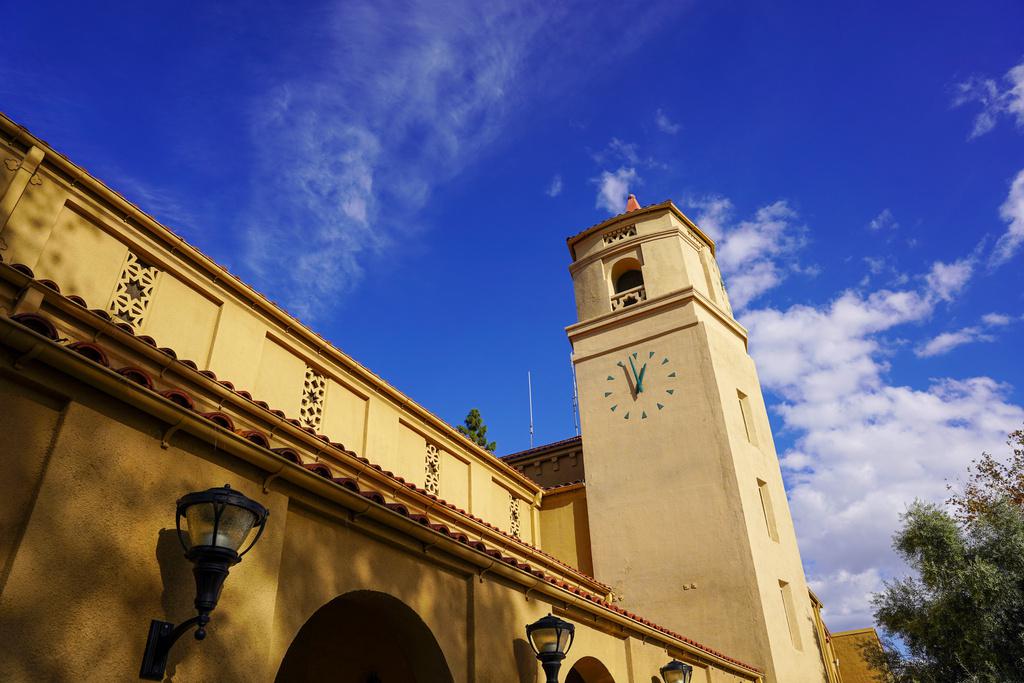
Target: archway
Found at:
x=364, y=637
x=589, y=670
x=626, y=274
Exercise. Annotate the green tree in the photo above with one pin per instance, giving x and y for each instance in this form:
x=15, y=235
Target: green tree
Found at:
x=961, y=618
x=476, y=431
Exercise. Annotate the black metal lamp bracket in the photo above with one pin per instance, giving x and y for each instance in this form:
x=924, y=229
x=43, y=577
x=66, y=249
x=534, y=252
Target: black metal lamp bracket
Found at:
x=162, y=637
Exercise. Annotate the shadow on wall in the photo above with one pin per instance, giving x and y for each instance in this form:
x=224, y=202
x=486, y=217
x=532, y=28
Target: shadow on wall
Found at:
x=178, y=588
x=526, y=661
x=96, y=561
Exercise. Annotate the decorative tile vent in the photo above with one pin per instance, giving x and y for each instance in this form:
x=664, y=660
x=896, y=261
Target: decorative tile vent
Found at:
x=432, y=478
x=629, y=297
x=513, y=515
x=311, y=412
x=134, y=291
x=619, y=234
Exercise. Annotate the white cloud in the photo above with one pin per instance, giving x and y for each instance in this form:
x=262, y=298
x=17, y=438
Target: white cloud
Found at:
x=757, y=254
x=883, y=221
x=665, y=124
x=554, y=187
x=613, y=189
x=1012, y=211
x=713, y=214
x=996, y=319
x=865, y=447
x=946, y=280
x=348, y=149
x=947, y=341
x=846, y=593
x=995, y=101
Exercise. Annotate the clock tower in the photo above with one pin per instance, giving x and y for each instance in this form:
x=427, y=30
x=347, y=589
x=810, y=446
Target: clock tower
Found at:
x=688, y=514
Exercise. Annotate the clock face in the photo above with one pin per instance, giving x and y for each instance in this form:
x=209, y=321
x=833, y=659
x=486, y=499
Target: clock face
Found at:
x=640, y=385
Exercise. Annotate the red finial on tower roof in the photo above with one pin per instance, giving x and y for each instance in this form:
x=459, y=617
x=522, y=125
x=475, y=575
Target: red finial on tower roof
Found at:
x=632, y=204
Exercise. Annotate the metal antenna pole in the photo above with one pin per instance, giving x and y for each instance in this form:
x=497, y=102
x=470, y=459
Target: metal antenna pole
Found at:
x=529, y=387
x=575, y=398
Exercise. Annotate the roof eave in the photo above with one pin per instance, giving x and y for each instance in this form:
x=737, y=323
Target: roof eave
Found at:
x=668, y=204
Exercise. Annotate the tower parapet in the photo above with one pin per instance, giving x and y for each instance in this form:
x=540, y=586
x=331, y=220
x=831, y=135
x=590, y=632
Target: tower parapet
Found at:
x=642, y=254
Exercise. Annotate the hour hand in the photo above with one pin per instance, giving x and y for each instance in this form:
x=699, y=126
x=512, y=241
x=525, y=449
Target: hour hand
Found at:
x=640, y=379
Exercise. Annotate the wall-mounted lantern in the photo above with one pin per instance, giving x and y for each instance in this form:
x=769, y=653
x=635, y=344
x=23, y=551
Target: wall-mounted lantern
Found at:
x=676, y=672
x=550, y=638
x=219, y=522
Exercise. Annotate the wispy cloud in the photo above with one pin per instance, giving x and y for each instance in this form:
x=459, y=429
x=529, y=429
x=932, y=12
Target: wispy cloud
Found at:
x=613, y=189
x=162, y=204
x=665, y=124
x=349, y=149
x=1012, y=211
x=996, y=319
x=883, y=221
x=996, y=100
x=618, y=152
x=883, y=267
x=756, y=254
x=554, y=187
x=947, y=341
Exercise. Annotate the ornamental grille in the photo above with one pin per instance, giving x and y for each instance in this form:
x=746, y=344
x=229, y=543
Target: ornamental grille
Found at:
x=134, y=291
x=432, y=479
x=513, y=514
x=620, y=234
x=312, y=411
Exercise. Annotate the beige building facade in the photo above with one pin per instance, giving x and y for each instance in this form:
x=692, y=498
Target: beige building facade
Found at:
x=133, y=370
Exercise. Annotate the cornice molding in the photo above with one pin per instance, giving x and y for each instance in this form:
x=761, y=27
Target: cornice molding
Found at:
x=633, y=216
x=630, y=244
x=650, y=307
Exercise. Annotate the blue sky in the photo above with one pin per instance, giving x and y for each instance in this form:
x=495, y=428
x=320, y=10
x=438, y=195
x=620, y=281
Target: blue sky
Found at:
x=403, y=175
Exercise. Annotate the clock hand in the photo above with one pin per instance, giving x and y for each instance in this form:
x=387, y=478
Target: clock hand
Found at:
x=640, y=379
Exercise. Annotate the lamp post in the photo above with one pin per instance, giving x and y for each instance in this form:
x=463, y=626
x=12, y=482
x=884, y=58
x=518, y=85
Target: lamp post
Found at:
x=219, y=521
x=676, y=672
x=550, y=638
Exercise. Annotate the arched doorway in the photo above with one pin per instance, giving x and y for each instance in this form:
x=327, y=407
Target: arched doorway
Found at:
x=364, y=637
x=589, y=670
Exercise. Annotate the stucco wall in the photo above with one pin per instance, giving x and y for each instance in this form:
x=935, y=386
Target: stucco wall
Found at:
x=565, y=523
x=95, y=558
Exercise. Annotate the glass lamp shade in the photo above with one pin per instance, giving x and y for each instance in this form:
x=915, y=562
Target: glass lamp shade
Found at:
x=220, y=518
x=550, y=635
x=676, y=672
